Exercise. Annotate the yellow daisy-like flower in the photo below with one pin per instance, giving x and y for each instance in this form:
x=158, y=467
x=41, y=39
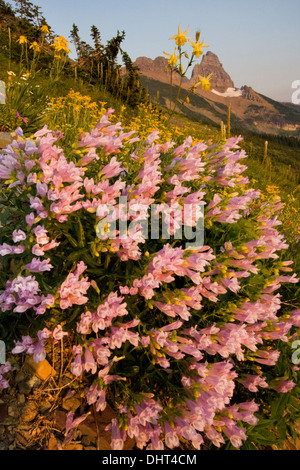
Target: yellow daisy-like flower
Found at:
x=35, y=46
x=22, y=40
x=60, y=44
x=181, y=38
x=45, y=29
x=173, y=59
x=197, y=47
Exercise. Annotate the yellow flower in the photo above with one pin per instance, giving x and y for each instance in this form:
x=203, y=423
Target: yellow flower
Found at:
x=22, y=40
x=60, y=44
x=35, y=46
x=172, y=58
x=45, y=29
x=204, y=82
x=197, y=47
x=181, y=38
x=273, y=189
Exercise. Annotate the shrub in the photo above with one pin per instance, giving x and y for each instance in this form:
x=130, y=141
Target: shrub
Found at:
x=185, y=340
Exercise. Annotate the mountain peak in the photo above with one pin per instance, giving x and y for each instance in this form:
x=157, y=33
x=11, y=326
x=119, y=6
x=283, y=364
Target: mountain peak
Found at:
x=211, y=64
x=156, y=69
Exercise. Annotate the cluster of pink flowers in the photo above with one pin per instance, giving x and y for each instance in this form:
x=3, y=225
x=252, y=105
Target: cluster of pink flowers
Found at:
x=193, y=314
x=3, y=370
x=23, y=293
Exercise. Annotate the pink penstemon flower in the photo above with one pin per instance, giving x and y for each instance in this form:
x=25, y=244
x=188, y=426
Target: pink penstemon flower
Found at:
x=72, y=424
x=73, y=289
x=171, y=307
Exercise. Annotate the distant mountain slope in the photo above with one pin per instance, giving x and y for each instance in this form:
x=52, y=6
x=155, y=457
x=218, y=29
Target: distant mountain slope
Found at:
x=249, y=110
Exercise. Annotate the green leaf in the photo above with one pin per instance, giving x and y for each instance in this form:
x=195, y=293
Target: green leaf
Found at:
x=71, y=239
x=4, y=216
x=278, y=406
x=282, y=429
x=76, y=255
x=75, y=314
x=131, y=371
x=294, y=405
x=292, y=432
x=248, y=445
x=80, y=233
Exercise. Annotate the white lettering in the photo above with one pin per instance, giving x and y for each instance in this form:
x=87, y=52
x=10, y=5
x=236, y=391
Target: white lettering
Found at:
x=296, y=94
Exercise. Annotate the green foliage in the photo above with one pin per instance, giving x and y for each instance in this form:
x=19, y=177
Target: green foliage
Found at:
x=25, y=106
x=98, y=65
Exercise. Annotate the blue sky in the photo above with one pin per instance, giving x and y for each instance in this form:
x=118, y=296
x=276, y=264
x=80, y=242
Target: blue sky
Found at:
x=257, y=41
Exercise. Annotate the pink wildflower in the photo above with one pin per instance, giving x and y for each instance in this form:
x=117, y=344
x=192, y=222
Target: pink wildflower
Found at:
x=37, y=266
x=72, y=289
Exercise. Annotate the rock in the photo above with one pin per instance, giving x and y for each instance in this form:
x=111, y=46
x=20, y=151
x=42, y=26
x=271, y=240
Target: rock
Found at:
x=34, y=382
x=86, y=441
x=89, y=426
x=52, y=443
x=20, y=376
x=43, y=370
x=73, y=446
x=5, y=139
x=210, y=63
x=14, y=364
x=249, y=94
x=157, y=69
x=3, y=411
x=11, y=411
x=99, y=436
x=21, y=398
x=29, y=412
x=59, y=418
x=71, y=404
x=45, y=406
x=24, y=388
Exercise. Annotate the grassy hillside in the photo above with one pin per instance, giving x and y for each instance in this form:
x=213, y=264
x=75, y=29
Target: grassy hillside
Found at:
x=32, y=98
x=55, y=190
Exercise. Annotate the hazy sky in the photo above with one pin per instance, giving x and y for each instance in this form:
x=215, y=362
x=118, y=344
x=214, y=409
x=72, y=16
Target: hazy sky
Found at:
x=257, y=41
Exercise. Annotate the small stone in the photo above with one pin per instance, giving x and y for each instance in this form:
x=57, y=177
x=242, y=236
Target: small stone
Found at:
x=86, y=441
x=21, y=398
x=34, y=382
x=5, y=139
x=45, y=406
x=52, y=443
x=71, y=404
x=73, y=446
x=3, y=411
x=24, y=388
x=11, y=411
x=29, y=412
x=15, y=366
x=20, y=376
x=43, y=370
x=59, y=418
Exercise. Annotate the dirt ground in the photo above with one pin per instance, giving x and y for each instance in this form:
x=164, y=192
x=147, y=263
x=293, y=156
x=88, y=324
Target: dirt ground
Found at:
x=33, y=412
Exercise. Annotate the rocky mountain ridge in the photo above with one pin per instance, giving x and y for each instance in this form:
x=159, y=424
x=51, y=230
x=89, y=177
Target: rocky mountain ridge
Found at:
x=249, y=109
